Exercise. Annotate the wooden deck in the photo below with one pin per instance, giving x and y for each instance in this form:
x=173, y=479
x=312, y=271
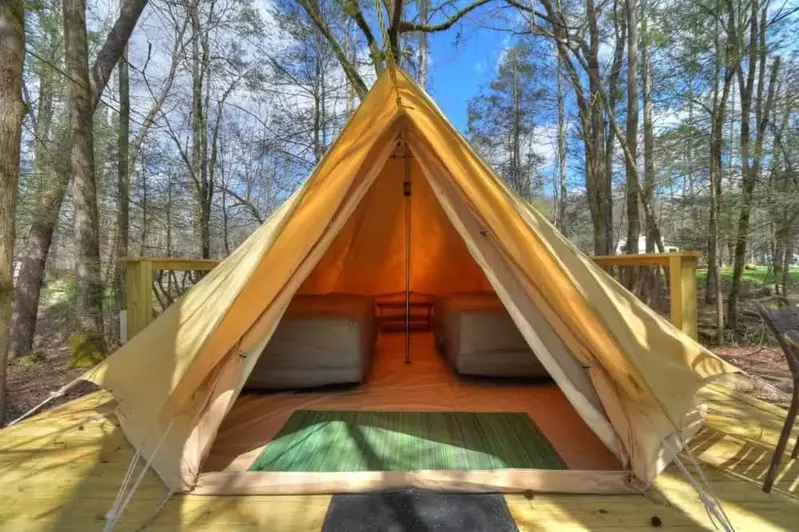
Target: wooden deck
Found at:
x=61, y=471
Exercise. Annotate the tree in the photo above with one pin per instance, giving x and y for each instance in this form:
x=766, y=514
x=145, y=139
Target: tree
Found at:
x=391, y=15
x=12, y=113
x=501, y=120
x=631, y=162
x=723, y=62
x=596, y=106
x=560, y=187
x=45, y=182
x=755, y=51
x=88, y=341
x=784, y=186
x=647, y=191
x=123, y=181
x=50, y=198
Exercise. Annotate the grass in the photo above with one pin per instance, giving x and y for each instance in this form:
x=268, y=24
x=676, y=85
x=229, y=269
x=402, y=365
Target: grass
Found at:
x=753, y=278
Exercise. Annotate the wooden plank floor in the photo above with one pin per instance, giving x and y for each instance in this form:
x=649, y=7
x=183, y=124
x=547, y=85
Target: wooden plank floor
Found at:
x=61, y=471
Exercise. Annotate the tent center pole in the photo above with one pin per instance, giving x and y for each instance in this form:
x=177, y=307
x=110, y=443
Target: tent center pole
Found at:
x=406, y=191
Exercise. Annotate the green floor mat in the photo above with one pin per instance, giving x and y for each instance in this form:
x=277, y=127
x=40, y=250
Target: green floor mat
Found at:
x=317, y=440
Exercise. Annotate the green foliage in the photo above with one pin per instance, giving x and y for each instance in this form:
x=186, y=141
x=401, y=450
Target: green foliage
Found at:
x=83, y=352
x=753, y=277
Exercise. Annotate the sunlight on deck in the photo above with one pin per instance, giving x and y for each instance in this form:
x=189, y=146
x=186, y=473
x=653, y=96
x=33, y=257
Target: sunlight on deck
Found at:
x=61, y=471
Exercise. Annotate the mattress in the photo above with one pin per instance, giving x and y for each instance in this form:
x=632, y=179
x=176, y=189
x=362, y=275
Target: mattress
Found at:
x=327, y=339
x=477, y=335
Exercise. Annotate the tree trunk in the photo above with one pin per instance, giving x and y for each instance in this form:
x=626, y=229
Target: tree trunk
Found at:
x=516, y=142
x=51, y=180
x=12, y=113
x=648, y=189
x=424, y=6
x=33, y=261
x=631, y=172
x=719, y=105
x=89, y=342
x=601, y=188
x=123, y=181
x=561, y=190
x=787, y=261
x=751, y=156
x=317, y=110
x=199, y=137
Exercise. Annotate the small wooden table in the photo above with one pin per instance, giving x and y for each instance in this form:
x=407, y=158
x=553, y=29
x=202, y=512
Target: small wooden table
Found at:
x=391, y=314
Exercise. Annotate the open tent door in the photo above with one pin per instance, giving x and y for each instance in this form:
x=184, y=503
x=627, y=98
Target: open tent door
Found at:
x=398, y=247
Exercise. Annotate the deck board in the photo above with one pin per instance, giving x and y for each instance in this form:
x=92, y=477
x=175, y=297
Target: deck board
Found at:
x=61, y=470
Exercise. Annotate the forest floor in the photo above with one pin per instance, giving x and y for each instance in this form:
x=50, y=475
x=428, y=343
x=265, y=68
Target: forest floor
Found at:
x=32, y=378
x=752, y=346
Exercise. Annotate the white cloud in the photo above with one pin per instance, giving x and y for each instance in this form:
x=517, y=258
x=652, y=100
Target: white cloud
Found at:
x=480, y=67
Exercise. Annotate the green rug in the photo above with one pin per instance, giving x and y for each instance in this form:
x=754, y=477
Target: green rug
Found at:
x=316, y=441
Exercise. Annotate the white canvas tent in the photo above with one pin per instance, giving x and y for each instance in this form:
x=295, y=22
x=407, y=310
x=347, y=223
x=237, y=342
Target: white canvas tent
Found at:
x=630, y=374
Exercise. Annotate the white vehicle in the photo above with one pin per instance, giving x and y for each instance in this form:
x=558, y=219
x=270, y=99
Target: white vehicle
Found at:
x=621, y=247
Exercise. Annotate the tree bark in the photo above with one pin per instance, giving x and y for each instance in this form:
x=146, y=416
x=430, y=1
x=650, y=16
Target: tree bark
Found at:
x=89, y=334
x=648, y=190
x=620, y=35
x=12, y=113
x=718, y=109
x=424, y=7
x=751, y=156
x=631, y=171
x=602, y=180
x=199, y=148
x=561, y=188
x=33, y=260
x=516, y=142
x=50, y=176
x=123, y=181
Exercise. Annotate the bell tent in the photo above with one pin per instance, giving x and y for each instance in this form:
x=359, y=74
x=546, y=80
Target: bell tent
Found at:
x=402, y=204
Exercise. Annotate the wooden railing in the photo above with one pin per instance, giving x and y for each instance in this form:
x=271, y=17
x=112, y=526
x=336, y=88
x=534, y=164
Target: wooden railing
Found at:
x=681, y=267
x=682, y=281
x=139, y=289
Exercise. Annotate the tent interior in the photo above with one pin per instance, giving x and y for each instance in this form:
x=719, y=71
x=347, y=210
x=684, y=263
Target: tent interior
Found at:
x=342, y=344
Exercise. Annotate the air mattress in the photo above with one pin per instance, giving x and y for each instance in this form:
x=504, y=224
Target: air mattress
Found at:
x=325, y=339
x=477, y=335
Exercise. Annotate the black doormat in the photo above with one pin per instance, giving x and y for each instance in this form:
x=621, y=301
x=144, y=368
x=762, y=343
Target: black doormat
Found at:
x=418, y=511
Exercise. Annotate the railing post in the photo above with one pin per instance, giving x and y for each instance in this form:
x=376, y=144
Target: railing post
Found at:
x=139, y=295
x=682, y=287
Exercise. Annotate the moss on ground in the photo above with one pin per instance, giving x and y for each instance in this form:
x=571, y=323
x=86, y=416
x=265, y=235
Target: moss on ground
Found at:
x=83, y=352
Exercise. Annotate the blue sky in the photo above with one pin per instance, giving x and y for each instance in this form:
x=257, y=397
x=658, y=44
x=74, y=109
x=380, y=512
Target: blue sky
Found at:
x=460, y=66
